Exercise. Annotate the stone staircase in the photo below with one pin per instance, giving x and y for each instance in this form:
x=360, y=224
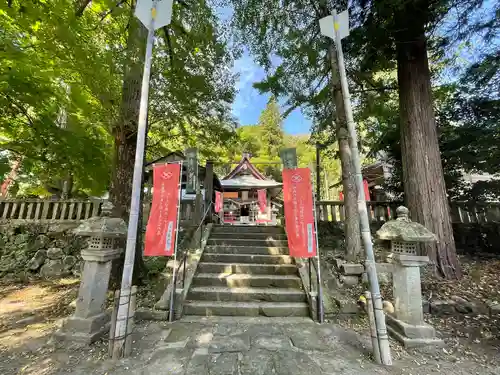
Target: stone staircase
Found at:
x=246, y=271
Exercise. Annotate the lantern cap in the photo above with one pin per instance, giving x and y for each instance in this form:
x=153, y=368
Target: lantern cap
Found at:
x=104, y=225
x=404, y=230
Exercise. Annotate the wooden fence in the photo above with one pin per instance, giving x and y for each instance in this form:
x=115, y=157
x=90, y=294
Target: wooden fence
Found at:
x=67, y=210
x=327, y=211
x=380, y=212
x=43, y=210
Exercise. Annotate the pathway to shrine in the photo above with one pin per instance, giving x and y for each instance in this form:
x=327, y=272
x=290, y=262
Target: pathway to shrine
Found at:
x=239, y=346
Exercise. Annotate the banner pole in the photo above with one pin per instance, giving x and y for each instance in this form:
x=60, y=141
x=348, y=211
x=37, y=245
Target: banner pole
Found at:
x=320, y=288
x=172, y=296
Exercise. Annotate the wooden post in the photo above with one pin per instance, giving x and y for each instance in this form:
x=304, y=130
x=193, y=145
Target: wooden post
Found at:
x=116, y=301
x=45, y=210
x=96, y=205
x=318, y=173
x=130, y=321
x=373, y=327
x=209, y=187
x=38, y=206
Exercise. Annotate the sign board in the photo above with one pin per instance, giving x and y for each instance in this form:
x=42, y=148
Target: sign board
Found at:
x=289, y=158
x=162, y=14
x=328, y=25
x=299, y=216
x=191, y=170
x=162, y=224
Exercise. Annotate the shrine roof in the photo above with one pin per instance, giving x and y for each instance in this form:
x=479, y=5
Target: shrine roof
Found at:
x=248, y=181
x=244, y=167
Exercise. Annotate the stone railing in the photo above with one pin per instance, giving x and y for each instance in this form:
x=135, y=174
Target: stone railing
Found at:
x=380, y=212
x=37, y=210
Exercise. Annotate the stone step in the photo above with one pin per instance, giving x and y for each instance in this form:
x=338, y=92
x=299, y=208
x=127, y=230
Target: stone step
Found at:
x=235, y=241
x=244, y=280
x=247, y=258
x=282, y=309
x=247, y=229
x=250, y=268
x=248, y=236
x=262, y=250
x=203, y=293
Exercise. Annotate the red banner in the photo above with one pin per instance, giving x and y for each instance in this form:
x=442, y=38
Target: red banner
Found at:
x=367, y=190
x=162, y=223
x=218, y=201
x=299, y=217
x=261, y=194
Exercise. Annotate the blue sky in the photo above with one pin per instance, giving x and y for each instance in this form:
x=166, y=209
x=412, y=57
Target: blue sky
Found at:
x=249, y=102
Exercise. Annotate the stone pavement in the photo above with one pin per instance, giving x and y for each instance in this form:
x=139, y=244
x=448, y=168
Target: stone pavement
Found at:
x=254, y=346
x=262, y=346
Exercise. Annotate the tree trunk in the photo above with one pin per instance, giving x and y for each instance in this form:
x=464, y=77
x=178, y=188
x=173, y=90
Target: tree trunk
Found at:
x=351, y=221
x=125, y=130
x=422, y=170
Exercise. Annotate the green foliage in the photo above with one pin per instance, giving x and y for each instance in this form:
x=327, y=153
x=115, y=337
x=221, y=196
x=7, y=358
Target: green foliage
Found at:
x=61, y=80
x=271, y=123
x=55, y=131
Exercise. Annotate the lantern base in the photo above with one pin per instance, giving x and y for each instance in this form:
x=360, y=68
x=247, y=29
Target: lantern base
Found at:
x=84, y=331
x=412, y=336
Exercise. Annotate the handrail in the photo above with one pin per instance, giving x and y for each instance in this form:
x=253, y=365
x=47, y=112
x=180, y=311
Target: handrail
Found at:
x=314, y=262
x=183, y=264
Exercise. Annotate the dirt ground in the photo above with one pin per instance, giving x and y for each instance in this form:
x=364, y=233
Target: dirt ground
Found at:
x=29, y=314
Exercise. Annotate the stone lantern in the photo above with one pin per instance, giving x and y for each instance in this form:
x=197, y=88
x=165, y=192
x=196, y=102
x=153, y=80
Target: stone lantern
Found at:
x=407, y=323
x=106, y=237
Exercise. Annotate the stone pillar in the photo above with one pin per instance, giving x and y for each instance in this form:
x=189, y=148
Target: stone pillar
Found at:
x=407, y=290
x=91, y=320
x=209, y=188
x=407, y=323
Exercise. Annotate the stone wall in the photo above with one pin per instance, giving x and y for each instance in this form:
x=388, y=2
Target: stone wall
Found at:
x=39, y=250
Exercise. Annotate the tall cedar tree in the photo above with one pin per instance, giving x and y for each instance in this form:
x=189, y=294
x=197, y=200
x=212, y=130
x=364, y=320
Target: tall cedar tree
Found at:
x=272, y=133
x=393, y=30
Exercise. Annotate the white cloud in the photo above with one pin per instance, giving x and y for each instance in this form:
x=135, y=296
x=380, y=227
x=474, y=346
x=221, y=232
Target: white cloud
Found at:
x=249, y=73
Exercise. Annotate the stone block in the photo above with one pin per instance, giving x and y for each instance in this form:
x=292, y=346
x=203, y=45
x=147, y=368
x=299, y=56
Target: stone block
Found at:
x=352, y=269
x=412, y=336
x=224, y=344
x=349, y=280
x=199, y=363
x=86, y=325
x=272, y=343
x=256, y=362
x=307, y=339
x=41, y=242
x=384, y=278
x=55, y=253
x=463, y=306
x=52, y=268
x=296, y=363
x=68, y=262
x=37, y=261
x=224, y=364
x=494, y=308
x=442, y=307
x=339, y=262
x=84, y=331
